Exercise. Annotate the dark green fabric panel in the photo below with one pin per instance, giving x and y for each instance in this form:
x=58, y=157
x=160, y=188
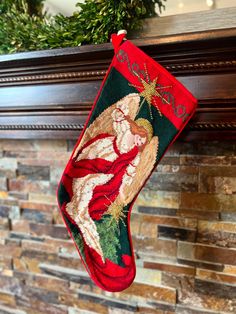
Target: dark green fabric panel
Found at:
x=76, y=236
x=162, y=127
x=115, y=88
x=123, y=236
x=63, y=196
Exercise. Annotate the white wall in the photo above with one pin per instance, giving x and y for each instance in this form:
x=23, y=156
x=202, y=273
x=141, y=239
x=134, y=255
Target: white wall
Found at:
x=184, y=6
x=66, y=7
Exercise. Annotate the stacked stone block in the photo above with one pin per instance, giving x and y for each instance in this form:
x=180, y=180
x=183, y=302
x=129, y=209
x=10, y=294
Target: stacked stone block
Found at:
x=183, y=227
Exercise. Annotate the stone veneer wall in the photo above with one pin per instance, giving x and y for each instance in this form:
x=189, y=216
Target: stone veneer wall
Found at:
x=183, y=226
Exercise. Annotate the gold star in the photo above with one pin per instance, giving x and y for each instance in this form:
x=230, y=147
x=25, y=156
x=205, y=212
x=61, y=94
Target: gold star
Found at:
x=116, y=212
x=150, y=89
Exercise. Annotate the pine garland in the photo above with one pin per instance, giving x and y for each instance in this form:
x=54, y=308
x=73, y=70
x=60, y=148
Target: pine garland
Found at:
x=23, y=26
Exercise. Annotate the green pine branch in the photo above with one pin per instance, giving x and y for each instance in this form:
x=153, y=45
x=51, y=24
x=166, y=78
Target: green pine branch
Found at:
x=108, y=231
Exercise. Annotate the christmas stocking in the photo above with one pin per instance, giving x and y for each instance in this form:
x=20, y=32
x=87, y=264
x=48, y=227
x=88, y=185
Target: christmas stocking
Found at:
x=139, y=111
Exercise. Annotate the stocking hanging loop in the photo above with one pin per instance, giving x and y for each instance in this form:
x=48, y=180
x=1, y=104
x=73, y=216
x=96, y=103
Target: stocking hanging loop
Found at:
x=117, y=39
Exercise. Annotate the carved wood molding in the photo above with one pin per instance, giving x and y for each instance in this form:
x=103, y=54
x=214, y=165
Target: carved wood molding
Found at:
x=178, y=68
x=44, y=127
x=212, y=126
x=59, y=127
x=198, y=66
x=52, y=77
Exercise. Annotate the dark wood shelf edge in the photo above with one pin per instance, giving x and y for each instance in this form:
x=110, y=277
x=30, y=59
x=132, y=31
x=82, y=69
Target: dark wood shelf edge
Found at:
x=57, y=87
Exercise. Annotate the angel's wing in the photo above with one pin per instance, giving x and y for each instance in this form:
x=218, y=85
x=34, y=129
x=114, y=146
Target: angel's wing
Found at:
x=143, y=170
x=104, y=122
x=77, y=208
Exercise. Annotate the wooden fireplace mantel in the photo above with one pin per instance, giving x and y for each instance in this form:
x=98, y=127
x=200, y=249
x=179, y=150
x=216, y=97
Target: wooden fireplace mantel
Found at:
x=48, y=94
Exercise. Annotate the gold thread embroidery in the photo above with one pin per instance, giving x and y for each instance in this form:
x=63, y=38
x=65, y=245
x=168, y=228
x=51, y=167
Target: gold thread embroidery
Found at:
x=150, y=89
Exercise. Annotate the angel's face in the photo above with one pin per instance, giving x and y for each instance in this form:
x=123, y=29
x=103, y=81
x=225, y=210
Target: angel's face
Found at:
x=129, y=140
x=139, y=140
